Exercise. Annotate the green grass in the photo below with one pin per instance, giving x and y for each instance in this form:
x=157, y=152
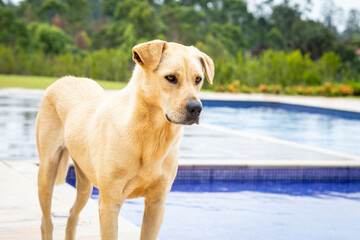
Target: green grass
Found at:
x=39, y=82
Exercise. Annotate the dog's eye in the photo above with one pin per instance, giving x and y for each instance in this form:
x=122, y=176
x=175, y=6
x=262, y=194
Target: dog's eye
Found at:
x=198, y=80
x=171, y=79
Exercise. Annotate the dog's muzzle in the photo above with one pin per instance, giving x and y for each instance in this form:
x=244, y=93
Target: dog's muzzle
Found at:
x=192, y=114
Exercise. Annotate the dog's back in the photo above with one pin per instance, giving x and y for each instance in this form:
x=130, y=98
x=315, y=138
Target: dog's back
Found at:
x=66, y=93
x=62, y=97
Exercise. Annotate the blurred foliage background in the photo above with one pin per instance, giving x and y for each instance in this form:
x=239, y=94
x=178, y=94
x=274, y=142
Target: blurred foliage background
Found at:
x=277, y=50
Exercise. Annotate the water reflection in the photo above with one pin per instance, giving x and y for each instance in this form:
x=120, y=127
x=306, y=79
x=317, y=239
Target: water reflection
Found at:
x=18, y=111
x=329, y=129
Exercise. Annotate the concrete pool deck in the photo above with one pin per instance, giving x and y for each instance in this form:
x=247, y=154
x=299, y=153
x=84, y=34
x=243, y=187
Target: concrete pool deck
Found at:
x=220, y=146
x=20, y=213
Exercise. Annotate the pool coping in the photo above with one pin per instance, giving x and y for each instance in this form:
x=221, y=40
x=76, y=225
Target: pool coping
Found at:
x=334, y=103
x=247, y=164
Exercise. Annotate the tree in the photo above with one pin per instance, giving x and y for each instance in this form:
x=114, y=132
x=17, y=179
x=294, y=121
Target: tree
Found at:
x=50, y=39
x=226, y=34
x=182, y=23
x=77, y=16
x=141, y=15
x=230, y=11
x=312, y=37
x=95, y=9
x=332, y=15
x=35, y=3
x=352, y=30
x=13, y=29
x=284, y=17
x=50, y=8
x=274, y=39
x=29, y=10
x=108, y=7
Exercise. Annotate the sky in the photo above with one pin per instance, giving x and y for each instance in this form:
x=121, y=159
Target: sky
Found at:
x=315, y=14
x=316, y=10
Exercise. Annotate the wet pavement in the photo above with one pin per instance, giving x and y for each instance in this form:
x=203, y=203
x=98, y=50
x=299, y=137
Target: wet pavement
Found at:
x=20, y=214
x=212, y=142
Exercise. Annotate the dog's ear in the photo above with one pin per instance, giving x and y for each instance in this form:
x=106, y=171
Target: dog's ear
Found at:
x=148, y=54
x=208, y=64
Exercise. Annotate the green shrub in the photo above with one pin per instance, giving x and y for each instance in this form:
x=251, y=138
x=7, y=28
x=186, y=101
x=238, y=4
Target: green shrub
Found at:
x=7, y=60
x=50, y=39
x=311, y=78
x=329, y=64
x=355, y=86
x=273, y=72
x=112, y=64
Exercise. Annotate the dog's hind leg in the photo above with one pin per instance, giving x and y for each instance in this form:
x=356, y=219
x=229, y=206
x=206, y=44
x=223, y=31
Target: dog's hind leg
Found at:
x=46, y=180
x=52, y=154
x=83, y=189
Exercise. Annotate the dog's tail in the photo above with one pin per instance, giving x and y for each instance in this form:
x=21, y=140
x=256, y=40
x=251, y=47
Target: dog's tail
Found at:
x=63, y=166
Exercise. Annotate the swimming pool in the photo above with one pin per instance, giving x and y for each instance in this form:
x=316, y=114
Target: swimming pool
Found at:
x=324, y=128
x=252, y=214
x=258, y=210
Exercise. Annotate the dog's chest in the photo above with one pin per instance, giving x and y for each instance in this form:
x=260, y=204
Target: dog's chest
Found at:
x=145, y=183
x=137, y=187
x=155, y=170
x=153, y=146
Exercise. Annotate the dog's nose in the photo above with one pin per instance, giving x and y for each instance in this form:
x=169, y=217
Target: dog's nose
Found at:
x=194, y=109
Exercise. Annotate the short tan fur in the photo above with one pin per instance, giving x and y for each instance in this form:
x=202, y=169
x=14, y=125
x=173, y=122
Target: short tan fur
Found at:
x=125, y=144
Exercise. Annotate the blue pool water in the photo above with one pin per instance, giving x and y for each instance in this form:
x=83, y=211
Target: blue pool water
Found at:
x=261, y=215
x=256, y=210
x=329, y=129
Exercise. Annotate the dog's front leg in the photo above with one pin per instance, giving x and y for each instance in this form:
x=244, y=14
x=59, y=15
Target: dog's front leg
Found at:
x=108, y=213
x=153, y=216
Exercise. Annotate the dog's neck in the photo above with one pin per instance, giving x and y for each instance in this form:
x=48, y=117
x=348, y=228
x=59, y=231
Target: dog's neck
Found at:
x=148, y=123
x=144, y=110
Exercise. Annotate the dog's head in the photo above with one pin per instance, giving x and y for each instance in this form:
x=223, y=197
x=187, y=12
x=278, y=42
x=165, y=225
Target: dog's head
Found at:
x=174, y=74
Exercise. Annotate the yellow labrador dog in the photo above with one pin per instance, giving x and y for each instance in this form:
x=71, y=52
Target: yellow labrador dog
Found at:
x=126, y=145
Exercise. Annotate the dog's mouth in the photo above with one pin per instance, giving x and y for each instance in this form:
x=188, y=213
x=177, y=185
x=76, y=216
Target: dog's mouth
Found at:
x=186, y=122
x=167, y=117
